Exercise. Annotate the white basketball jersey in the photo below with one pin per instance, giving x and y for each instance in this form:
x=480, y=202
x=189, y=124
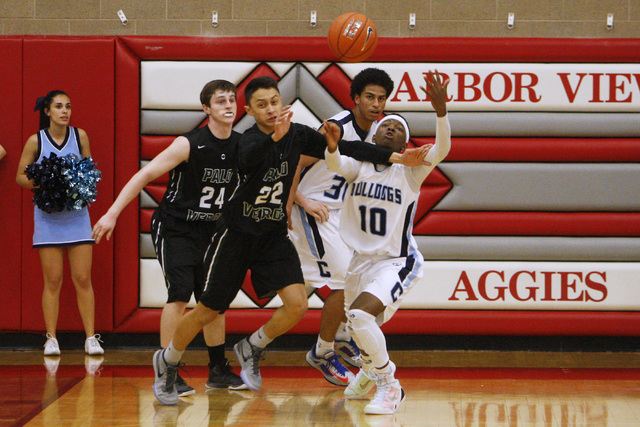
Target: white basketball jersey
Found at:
x=377, y=217
x=378, y=212
x=321, y=184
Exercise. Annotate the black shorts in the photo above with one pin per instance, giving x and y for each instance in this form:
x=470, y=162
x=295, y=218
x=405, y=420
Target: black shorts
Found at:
x=272, y=259
x=180, y=247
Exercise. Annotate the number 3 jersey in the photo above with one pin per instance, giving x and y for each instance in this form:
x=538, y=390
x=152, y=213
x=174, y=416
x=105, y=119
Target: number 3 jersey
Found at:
x=318, y=182
x=199, y=187
x=380, y=203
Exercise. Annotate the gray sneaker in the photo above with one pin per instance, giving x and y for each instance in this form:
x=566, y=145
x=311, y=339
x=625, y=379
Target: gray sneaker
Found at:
x=183, y=388
x=164, y=385
x=249, y=357
x=221, y=376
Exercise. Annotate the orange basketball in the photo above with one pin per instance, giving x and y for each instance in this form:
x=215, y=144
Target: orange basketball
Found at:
x=352, y=37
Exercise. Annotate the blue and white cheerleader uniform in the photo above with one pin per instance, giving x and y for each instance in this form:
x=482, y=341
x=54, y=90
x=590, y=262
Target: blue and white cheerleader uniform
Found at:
x=66, y=228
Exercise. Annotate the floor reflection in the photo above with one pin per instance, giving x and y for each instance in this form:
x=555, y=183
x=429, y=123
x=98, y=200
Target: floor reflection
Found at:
x=122, y=396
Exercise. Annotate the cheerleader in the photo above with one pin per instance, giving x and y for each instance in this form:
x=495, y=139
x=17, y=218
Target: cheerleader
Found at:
x=67, y=230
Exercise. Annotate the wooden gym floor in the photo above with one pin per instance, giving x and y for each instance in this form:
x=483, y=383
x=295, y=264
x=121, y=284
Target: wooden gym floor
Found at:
x=444, y=388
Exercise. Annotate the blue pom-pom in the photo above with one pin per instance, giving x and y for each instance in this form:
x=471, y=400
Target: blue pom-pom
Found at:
x=64, y=182
x=81, y=178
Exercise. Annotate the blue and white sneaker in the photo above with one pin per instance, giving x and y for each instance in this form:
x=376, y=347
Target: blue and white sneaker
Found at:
x=330, y=366
x=349, y=352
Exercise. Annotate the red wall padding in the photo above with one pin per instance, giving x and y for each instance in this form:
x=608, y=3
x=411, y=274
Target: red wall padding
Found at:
x=127, y=103
x=10, y=198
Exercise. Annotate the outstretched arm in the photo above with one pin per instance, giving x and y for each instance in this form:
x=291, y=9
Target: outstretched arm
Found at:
x=436, y=88
x=171, y=157
x=345, y=166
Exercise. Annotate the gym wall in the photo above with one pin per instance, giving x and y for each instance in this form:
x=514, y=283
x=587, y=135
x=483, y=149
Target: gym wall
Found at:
x=531, y=226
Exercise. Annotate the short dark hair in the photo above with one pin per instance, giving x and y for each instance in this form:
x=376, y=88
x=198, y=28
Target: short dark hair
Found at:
x=263, y=82
x=371, y=76
x=214, y=85
x=44, y=103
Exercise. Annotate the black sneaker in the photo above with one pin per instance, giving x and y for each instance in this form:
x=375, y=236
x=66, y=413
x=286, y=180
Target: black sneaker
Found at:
x=183, y=388
x=221, y=376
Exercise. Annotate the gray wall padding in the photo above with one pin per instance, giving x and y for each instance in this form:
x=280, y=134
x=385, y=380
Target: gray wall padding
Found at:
x=146, y=246
x=542, y=186
x=160, y=122
x=529, y=124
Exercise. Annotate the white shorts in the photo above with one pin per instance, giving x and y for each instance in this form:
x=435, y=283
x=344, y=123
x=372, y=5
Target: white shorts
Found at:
x=388, y=279
x=323, y=254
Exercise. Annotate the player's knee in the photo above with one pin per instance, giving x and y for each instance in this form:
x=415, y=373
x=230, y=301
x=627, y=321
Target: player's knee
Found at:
x=362, y=327
x=204, y=315
x=359, y=320
x=298, y=308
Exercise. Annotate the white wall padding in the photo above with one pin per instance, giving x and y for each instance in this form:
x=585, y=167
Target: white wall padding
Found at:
x=176, y=85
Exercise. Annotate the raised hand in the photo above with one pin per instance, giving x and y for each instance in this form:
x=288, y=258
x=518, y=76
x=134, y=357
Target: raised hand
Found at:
x=415, y=156
x=331, y=132
x=437, y=91
x=283, y=123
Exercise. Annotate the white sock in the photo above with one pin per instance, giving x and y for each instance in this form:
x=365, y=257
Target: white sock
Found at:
x=343, y=334
x=260, y=339
x=171, y=355
x=323, y=347
x=386, y=373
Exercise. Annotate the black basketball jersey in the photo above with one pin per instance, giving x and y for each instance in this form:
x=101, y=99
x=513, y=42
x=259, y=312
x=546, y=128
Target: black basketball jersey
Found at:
x=267, y=169
x=198, y=188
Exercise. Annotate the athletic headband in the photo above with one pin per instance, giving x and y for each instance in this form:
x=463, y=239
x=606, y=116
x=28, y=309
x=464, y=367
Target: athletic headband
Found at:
x=402, y=121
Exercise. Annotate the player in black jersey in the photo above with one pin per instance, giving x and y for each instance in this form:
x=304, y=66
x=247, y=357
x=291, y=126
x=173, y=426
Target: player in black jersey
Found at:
x=253, y=233
x=202, y=177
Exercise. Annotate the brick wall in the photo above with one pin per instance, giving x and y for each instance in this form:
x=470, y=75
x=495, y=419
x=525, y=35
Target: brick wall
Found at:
x=444, y=18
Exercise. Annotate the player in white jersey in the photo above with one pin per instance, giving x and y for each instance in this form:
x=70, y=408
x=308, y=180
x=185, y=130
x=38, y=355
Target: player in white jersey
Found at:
x=376, y=223
x=315, y=221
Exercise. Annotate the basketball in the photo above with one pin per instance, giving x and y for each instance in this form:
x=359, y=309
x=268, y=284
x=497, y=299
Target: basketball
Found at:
x=352, y=37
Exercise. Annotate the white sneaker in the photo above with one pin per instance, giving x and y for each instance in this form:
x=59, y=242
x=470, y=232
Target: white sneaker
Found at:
x=360, y=385
x=92, y=346
x=51, y=363
x=387, y=399
x=389, y=395
x=92, y=364
x=51, y=347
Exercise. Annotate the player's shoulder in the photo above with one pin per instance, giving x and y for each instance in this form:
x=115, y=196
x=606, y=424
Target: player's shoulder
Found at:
x=251, y=133
x=195, y=133
x=343, y=117
x=235, y=136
